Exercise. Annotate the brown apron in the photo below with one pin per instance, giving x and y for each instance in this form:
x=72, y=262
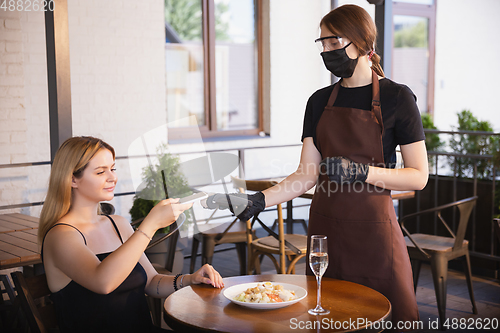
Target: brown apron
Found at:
x=365, y=242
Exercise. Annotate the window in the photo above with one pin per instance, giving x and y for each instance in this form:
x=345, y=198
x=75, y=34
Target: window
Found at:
x=413, y=48
x=212, y=67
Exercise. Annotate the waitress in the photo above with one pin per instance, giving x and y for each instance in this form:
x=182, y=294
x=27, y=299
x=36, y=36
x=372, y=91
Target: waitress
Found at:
x=351, y=130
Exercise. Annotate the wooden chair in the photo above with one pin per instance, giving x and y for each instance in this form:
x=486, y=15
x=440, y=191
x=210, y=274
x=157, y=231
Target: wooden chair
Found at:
x=8, y=307
x=210, y=236
x=38, y=309
x=439, y=250
x=293, y=247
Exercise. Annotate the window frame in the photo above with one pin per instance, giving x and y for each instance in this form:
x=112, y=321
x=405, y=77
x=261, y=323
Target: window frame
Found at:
x=429, y=12
x=209, y=129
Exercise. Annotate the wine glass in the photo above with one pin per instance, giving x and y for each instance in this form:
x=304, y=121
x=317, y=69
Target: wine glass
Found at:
x=318, y=261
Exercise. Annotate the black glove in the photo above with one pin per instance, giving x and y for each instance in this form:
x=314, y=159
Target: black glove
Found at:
x=240, y=204
x=258, y=204
x=342, y=170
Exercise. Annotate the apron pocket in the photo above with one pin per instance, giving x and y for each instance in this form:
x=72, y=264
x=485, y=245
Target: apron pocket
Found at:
x=366, y=249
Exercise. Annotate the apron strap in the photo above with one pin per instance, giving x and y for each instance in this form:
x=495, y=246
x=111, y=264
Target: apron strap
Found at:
x=333, y=95
x=376, y=101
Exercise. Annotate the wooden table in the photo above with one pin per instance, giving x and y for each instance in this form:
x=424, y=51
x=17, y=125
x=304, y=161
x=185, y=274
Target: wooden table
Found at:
x=202, y=308
x=18, y=241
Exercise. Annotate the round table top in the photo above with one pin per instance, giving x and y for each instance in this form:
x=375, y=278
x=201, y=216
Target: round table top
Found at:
x=202, y=308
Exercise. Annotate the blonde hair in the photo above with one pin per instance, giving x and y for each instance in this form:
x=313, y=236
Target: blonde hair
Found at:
x=71, y=160
x=354, y=23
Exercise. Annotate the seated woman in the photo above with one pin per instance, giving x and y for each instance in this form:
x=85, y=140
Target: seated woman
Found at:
x=95, y=265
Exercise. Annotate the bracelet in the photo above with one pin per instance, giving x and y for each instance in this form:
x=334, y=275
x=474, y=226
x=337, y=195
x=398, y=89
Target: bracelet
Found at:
x=175, y=281
x=182, y=278
x=142, y=232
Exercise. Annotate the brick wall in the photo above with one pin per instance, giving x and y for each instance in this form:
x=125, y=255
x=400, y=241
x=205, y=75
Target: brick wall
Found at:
x=12, y=103
x=24, y=126
x=13, y=145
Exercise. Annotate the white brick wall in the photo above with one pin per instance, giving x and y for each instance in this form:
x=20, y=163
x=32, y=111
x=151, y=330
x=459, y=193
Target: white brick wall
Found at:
x=24, y=133
x=13, y=145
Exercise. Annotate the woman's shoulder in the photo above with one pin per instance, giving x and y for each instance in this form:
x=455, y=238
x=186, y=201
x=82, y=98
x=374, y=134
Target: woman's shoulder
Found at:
x=62, y=233
x=394, y=90
x=390, y=85
x=323, y=92
x=319, y=98
x=122, y=224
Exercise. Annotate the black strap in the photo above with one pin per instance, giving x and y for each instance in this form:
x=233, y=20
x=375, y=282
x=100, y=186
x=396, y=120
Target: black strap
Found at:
x=116, y=228
x=69, y=225
x=275, y=235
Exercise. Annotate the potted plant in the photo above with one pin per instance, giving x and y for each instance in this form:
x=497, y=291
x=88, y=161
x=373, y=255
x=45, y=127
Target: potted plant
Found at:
x=474, y=144
x=166, y=171
x=432, y=140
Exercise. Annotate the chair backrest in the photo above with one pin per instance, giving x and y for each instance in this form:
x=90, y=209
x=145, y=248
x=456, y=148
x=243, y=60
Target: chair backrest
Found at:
x=107, y=208
x=252, y=185
x=464, y=206
x=260, y=185
x=496, y=223
x=33, y=294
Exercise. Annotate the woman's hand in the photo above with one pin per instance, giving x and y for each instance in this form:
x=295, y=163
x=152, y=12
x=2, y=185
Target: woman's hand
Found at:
x=162, y=215
x=342, y=170
x=243, y=205
x=208, y=275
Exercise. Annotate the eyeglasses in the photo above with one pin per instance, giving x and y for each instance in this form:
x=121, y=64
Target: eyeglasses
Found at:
x=330, y=43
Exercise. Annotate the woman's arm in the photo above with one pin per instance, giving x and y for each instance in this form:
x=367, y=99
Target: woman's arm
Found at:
x=66, y=251
x=303, y=179
x=413, y=176
x=160, y=285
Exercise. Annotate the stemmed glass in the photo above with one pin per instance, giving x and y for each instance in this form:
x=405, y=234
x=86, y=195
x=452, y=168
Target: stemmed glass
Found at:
x=318, y=261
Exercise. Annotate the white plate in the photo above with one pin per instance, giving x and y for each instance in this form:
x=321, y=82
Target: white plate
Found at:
x=232, y=292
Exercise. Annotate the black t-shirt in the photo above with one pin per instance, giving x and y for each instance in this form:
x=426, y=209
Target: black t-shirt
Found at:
x=400, y=114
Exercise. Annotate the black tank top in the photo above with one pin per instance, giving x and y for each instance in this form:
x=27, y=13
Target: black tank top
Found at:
x=123, y=310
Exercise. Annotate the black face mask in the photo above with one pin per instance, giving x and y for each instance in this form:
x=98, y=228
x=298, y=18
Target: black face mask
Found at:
x=339, y=63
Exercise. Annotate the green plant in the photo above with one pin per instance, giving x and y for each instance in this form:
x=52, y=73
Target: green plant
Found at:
x=153, y=190
x=474, y=145
x=432, y=140
x=411, y=35
x=185, y=17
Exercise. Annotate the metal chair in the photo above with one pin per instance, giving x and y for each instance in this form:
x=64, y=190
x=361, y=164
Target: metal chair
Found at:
x=293, y=247
x=33, y=293
x=107, y=208
x=496, y=223
x=439, y=250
